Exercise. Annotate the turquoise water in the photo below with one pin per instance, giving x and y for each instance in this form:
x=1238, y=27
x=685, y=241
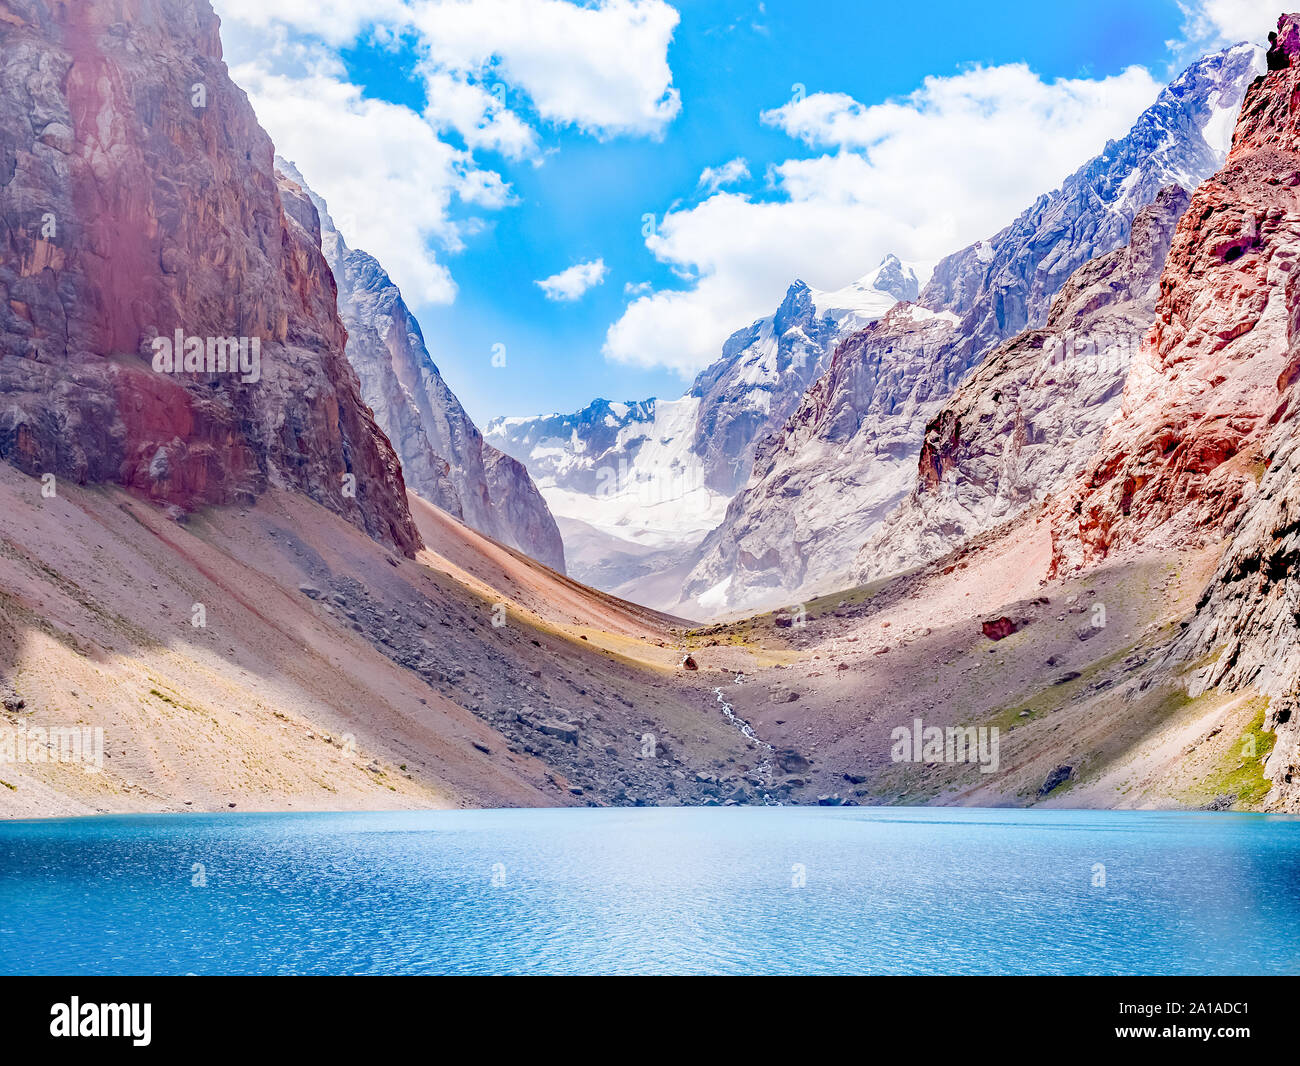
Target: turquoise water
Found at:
x=732, y=890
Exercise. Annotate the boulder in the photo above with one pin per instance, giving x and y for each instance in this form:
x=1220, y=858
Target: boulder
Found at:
x=1000, y=628
x=790, y=761
x=565, y=731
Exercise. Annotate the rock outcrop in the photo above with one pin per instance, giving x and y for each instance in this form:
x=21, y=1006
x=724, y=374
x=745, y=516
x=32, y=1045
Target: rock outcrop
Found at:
x=139, y=203
x=1030, y=416
x=444, y=457
x=857, y=433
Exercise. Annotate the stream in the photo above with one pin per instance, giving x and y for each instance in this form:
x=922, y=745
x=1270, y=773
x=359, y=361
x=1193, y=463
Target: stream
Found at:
x=764, y=769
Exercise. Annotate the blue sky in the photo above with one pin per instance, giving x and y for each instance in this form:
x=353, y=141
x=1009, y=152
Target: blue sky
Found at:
x=469, y=222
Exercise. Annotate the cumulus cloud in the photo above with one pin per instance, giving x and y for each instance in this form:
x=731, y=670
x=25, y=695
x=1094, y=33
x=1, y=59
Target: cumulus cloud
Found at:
x=388, y=178
x=714, y=178
x=335, y=22
x=601, y=67
x=1211, y=24
x=494, y=72
x=572, y=283
x=920, y=176
x=477, y=114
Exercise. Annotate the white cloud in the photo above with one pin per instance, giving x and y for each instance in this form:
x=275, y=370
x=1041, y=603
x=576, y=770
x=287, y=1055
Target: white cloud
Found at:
x=1212, y=24
x=477, y=114
x=391, y=180
x=336, y=22
x=714, y=178
x=602, y=67
x=921, y=177
x=572, y=283
x=388, y=179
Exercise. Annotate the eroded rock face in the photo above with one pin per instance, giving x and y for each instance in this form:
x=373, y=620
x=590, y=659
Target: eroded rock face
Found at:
x=1188, y=444
x=1249, y=614
x=444, y=457
x=847, y=456
x=1031, y=414
x=766, y=368
x=821, y=482
x=138, y=197
x=1207, y=446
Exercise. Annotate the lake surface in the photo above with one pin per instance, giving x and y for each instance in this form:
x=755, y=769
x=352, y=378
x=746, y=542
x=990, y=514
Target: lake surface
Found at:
x=684, y=890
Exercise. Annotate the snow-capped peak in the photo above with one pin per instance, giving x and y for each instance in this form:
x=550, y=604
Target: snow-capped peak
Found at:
x=871, y=295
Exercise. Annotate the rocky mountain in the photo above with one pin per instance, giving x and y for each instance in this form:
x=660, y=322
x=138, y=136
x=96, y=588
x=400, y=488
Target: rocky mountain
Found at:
x=1188, y=445
x=628, y=489
x=1032, y=412
x=765, y=368
x=1203, y=450
x=1002, y=285
x=278, y=653
x=846, y=457
x=167, y=319
x=654, y=476
x=572, y=451
x=334, y=674
x=444, y=457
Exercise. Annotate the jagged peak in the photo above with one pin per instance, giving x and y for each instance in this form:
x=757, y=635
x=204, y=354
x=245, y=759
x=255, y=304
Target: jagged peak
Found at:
x=798, y=304
x=894, y=277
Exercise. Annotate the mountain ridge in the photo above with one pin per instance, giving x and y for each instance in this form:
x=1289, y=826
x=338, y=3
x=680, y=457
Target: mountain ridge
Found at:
x=158, y=218
x=444, y=456
x=845, y=458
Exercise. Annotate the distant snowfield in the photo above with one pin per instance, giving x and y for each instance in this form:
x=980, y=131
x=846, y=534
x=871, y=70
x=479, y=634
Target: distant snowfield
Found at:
x=659, y=500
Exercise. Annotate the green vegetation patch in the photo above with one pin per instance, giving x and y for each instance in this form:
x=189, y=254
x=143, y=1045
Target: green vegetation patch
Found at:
x=1241, y=770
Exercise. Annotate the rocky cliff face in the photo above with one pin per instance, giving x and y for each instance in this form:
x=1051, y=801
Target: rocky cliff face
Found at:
x=1249, y=615
x=822, y=481
x=140, y=211
x=1187, y=447
x=444, y=457
x=766, y=368
x=1207, y=444
x=1030, y=416
x=859, y=430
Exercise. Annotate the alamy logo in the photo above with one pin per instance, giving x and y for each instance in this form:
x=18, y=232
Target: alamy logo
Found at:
x=180, y=354
x=102, y=1019
x=1092, y=353
x=58, y=744
x=649, y=487
x=954, y=744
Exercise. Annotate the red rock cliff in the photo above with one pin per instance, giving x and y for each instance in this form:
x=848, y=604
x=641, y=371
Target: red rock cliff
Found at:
x=1188, y=445
x=138, y=197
